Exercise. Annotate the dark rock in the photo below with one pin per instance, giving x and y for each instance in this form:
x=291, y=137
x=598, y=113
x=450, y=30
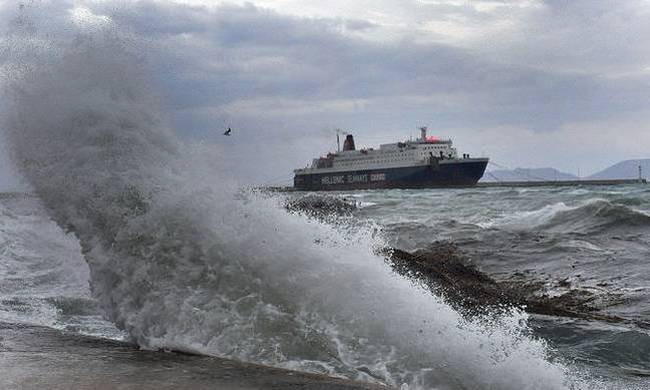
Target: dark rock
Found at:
x=447, y=272
x=444, y=270
x=321, y=206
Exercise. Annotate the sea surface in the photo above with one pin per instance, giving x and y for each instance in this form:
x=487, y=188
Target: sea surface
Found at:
x=595, y=238
x=592, y=238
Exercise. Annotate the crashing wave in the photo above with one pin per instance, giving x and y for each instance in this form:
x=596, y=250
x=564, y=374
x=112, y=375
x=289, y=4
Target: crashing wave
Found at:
x=181, y=260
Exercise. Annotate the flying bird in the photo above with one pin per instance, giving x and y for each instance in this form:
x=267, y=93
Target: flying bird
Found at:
x=227, y=132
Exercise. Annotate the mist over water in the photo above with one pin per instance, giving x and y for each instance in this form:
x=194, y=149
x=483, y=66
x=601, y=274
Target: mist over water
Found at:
x=181, y=258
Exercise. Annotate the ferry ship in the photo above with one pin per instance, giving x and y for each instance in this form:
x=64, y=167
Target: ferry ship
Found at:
x=427, y=162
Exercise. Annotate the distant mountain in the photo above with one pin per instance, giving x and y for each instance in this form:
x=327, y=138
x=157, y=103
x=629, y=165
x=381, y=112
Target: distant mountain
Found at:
x=628, y=169
x=527, y=174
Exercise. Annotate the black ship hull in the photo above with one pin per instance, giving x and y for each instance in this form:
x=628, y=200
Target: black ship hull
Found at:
x=457, y=173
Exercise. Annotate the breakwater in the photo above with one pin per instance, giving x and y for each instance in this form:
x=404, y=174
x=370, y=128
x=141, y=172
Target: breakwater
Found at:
x=562, y=183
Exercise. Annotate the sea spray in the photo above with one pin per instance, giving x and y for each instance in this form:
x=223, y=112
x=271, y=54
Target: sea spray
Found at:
x=182, y=260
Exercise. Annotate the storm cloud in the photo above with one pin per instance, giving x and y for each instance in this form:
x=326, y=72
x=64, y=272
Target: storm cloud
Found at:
x=528, y=83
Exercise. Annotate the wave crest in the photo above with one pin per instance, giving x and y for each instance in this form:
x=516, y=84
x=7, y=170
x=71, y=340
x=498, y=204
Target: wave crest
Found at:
x=591, y=216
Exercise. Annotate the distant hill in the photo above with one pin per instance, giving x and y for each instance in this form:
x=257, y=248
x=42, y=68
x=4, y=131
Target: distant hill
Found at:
x=527, y=174
x=628, y=169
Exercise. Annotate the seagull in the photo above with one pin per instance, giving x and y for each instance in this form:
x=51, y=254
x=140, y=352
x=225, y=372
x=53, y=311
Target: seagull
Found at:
x=227, y=132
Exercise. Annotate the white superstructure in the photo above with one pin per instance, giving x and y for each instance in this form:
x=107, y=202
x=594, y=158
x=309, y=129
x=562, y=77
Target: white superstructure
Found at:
x=394, y=155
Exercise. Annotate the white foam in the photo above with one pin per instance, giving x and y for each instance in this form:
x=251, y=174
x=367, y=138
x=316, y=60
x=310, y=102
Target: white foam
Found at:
x=181, y=259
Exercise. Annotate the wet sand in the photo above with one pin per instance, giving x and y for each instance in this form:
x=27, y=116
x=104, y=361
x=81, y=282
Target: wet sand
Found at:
x=34, y=357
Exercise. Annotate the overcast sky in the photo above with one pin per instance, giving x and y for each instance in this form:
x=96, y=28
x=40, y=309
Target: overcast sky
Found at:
x=527, y=83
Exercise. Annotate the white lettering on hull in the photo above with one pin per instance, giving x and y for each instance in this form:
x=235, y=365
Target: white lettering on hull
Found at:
x=351, y=179
x=357, y=178
x=329, y=180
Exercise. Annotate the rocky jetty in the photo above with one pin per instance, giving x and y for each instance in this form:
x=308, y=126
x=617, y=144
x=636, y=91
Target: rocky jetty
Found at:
x=446, y=271
x=321, y=206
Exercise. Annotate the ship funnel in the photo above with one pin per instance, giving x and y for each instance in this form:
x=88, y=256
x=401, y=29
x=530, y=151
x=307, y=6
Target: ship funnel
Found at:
x=348, y=144
x=423, y=133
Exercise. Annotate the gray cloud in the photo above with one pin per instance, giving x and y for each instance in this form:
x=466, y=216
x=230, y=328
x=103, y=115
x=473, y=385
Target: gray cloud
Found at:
x=281, y=79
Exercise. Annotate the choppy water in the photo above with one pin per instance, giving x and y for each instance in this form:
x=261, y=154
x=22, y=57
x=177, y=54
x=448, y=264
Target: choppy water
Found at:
x=43, y=277
x=134, y=234
x=590, y=235
x=595, y=238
